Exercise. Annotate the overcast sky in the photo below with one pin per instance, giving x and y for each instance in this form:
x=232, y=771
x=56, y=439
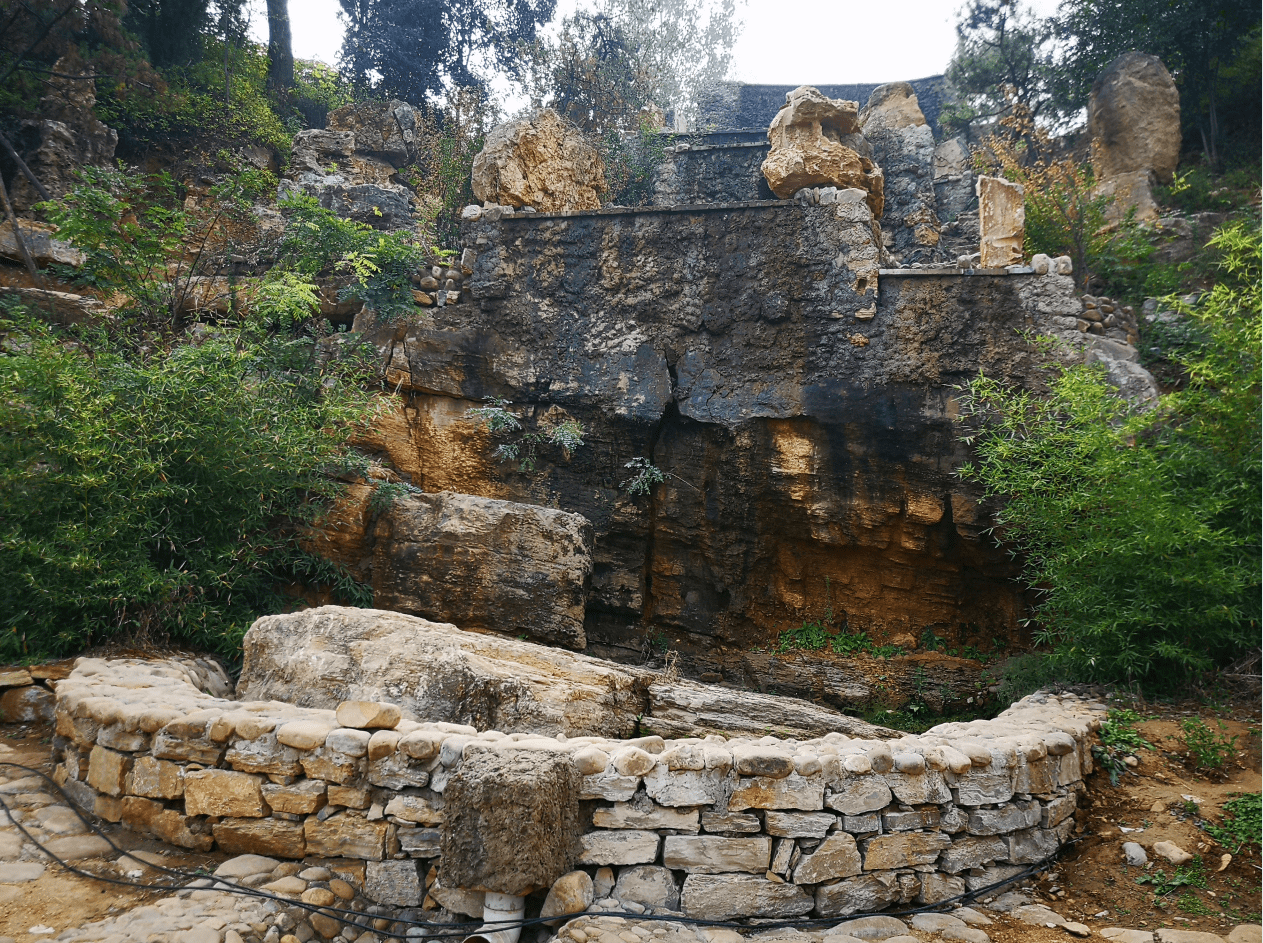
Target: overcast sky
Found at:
x=799, y=42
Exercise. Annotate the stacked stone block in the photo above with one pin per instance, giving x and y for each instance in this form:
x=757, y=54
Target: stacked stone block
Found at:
x=723, y=828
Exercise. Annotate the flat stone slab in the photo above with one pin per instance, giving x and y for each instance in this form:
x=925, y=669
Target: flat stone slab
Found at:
x=20, y=872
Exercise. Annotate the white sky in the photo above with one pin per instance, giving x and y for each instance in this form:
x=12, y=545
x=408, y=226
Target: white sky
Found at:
x=785, y=42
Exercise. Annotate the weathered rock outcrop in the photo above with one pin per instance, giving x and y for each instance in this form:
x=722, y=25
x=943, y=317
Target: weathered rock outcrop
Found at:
x=541, y=161
x=903, y=147
x=67, y=138
x=816, y=143
x=351, y=166
x=40, y=242
x=1134, y=120
x=486, y=564
x=1001, y=221
x=324, y=656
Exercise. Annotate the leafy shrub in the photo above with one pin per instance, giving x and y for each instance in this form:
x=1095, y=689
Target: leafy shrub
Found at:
x=378, y=266
x=317, y=90
x=161, y=496
x=1140, y=530
x=846, y=643
x=1242, y=822
x=1209, y=751
x=631, y=163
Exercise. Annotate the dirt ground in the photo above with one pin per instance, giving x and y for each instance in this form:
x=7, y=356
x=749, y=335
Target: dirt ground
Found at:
x=1091, y=882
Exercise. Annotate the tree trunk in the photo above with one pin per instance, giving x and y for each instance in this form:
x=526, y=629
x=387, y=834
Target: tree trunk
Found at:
x=280, y=46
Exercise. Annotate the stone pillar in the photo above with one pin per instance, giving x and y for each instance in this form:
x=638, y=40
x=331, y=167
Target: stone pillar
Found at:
x=512, y=822
x=1001, y=222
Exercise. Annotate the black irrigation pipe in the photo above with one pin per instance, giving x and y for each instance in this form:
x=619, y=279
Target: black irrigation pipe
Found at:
x=460, y=930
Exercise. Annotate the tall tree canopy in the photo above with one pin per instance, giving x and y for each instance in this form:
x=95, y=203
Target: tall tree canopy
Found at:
x=413, y=49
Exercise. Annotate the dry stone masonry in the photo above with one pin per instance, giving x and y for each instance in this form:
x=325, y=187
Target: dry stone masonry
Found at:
x=711, y=827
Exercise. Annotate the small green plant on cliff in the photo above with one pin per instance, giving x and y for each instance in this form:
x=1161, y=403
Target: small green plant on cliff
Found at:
x=1139, y=529
x=524, y=447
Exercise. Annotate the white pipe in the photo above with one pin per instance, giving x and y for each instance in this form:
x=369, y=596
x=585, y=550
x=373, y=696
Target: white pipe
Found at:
x=502, y=916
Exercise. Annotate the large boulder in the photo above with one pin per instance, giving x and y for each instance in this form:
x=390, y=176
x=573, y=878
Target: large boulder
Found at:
x=542, y=161
x=1134, y=120
x=816, y=143
x=903, y=147
x=322, y=657
x=485, y=564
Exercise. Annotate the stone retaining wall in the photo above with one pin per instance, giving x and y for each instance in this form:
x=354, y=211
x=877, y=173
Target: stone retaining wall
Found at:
x=716, y=828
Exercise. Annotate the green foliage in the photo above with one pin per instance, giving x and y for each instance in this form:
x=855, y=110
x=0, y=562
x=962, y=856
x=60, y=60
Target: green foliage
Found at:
x=387, y=493
x=1242, y=822
x=134, y=233
x=1140, y=530
x=1208, y=750
x=416, y=49
x=1198, y=189
x=1192, y=874
x=645, y=476
x=808, y=637
x=380, y=265
x=589, y=74
x=1199, y=41
x=157, y=497
x=847, y=643
x=888, y=651
x=1005, y=56
x=1119, y=740
x=524, y=447
x=318, y=89
x=221, y=95
x=931, y=642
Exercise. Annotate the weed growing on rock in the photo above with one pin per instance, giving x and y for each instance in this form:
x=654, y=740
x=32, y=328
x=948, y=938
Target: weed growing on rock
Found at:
x=524, y=448
x=1119, y=740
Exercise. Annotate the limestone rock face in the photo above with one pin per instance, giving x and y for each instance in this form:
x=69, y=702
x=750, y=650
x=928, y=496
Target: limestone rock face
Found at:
x=486, y=564
x=814, y=144
x=1134, y=118
x=322, y=657
x=903, y=147
x=67, y=138
x=541, y=161
x=350, y=167
x=1002, y=221
x=40, y=243
x=891, y=106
